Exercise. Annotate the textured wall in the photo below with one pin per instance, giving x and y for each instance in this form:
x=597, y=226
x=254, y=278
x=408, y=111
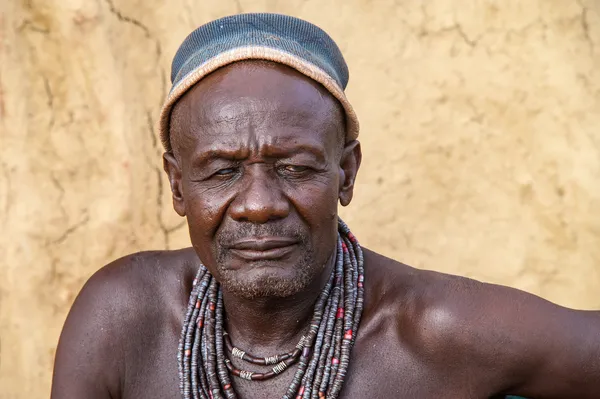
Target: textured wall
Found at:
x=480, y=130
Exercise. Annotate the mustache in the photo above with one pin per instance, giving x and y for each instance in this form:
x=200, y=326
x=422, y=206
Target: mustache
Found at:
x=243, y=231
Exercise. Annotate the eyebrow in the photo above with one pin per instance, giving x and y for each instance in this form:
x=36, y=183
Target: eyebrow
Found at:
x=273, y=152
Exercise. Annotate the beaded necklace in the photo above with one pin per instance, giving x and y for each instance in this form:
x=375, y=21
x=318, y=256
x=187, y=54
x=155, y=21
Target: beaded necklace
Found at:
x=322, y=355
x=282, y=361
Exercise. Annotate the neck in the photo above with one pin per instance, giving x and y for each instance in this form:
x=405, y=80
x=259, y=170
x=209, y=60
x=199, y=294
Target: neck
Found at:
x=268, y=325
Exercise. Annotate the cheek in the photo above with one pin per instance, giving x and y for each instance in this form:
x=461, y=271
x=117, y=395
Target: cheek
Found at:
x=205, y=212
x=316, y=203
x=320, y=195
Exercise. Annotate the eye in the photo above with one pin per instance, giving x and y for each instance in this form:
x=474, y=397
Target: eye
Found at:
x=225, y=172
x=295, y=168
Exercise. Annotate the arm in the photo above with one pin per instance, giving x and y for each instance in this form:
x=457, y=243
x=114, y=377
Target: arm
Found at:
x=85, y=364
x=517, y=343
x=560, y=346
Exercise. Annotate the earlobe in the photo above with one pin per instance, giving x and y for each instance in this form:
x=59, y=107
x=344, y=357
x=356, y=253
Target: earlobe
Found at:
x=171, y=166
x=349, y=165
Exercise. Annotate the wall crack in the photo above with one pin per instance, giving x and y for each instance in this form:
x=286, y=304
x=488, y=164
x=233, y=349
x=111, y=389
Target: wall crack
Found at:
x=586, y=26
x=71, y=230
x=126, y=19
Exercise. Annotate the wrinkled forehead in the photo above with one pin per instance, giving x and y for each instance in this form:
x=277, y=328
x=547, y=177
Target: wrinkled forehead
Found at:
x=268, y=101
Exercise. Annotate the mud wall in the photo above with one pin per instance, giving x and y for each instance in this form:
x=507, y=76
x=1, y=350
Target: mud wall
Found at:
x=480, y=130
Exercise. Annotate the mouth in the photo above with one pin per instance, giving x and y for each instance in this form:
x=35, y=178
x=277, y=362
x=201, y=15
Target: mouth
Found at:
x=263, y=248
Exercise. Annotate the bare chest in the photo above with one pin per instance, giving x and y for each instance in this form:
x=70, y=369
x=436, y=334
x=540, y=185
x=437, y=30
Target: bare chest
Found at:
x=377, y=370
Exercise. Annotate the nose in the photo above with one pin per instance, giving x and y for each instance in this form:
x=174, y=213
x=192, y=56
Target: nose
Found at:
x=260, y=200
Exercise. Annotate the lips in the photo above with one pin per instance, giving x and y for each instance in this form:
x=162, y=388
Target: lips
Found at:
x=263, y=248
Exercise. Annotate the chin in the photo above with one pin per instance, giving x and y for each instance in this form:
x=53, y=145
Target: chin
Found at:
x=266, y=282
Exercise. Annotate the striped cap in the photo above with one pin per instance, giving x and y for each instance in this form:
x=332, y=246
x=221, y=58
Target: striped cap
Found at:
x=272, y=37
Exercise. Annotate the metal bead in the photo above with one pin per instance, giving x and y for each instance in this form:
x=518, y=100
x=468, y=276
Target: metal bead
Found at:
x=238, y=353
x=280, y=367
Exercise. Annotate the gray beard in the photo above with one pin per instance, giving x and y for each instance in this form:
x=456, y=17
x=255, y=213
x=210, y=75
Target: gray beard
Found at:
x=269, y=285
x=266, y=285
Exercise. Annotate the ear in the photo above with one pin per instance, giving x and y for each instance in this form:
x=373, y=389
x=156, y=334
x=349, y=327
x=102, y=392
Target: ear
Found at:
x=349, y=164
x=173, y=170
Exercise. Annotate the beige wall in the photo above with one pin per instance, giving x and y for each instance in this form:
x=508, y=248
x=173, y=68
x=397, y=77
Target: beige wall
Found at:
x=480, y=129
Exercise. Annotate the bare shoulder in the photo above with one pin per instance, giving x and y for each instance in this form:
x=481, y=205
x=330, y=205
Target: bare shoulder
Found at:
x=498, y=338
x=437, y=300
x=442, y=312
x=115, y=312
x=136, y=289
x=125, y=286
x=146, y=268
x=150, y=272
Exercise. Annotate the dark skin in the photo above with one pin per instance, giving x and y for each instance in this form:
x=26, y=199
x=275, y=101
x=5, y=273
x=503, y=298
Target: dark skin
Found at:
x=260, y=145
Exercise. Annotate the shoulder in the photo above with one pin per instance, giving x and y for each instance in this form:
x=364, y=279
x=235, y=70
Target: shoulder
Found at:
x=126, y=282
x=487, y=331
x=436, y=302
x=143, y=268
x=120, y=288
x=432, y=310
x=111, y=310
x=124, y=288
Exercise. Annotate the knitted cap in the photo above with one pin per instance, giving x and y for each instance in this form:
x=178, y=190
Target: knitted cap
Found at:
x=272, y=37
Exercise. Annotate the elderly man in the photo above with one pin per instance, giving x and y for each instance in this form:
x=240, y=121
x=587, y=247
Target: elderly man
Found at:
x=276, y=298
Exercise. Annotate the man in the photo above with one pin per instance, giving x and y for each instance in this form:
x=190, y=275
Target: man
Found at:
x=276, y=297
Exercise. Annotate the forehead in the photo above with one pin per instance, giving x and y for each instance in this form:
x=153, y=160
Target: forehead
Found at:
x=260, y=102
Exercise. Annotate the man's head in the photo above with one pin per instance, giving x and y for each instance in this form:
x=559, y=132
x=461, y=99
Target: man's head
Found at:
x=259, y=164
x=261, y=145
